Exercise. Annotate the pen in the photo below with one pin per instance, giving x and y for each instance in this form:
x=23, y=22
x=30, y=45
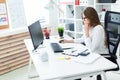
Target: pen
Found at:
x=73, y=51
x=67, y=48
x=70, y=54
x=85, y=50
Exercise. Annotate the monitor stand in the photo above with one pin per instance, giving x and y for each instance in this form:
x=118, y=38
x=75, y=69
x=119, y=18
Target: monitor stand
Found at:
x=39, y=47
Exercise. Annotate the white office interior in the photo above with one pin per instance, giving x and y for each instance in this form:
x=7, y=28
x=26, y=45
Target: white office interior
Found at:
x=15, y=57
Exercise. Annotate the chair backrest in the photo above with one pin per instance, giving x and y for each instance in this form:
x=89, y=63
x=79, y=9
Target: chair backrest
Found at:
x=112, y=29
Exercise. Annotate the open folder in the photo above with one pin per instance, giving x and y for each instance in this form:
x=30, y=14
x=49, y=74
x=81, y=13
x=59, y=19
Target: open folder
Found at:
x=80, y=53
x=76, y=53
x=80, y=50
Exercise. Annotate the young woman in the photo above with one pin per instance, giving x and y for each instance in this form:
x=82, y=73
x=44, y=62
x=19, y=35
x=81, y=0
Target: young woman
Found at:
x=94, y=34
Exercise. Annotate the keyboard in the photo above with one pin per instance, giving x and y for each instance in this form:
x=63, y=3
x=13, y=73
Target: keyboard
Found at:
x=56, y=47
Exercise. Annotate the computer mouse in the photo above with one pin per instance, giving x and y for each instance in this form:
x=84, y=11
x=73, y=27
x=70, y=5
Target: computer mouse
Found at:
x=61, y=41
x=44, y=57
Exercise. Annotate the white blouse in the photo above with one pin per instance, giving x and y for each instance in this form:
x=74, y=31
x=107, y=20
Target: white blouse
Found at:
x=96, y=41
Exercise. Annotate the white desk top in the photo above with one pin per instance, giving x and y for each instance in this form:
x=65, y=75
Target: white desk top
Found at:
x=59, y=68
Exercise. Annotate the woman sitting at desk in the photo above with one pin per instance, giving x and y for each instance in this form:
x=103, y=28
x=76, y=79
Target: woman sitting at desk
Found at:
x=94, y=34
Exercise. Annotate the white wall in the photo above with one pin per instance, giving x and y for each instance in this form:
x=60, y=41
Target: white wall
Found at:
x=53, y=18
x=33, y=10
x=116, y=8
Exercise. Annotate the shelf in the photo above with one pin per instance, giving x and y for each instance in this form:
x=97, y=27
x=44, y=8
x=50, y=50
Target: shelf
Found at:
x=83, y=5
x=66, y=18
x=79, y=32
x=102, y=21
x=69, y=31
x=67, y=2
x=75, y=17
x=72, y=14
x=106, y=4
x=78, y=20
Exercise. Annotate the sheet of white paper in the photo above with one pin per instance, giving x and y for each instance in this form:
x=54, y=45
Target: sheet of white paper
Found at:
x=2, y=8
x=86, y=59
x=73, y=45
x=73, y=49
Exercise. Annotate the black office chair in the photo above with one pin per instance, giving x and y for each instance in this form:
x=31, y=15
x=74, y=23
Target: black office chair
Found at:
x=112, y=29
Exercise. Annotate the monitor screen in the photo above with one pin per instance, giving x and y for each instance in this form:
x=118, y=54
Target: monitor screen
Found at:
x=36, y=34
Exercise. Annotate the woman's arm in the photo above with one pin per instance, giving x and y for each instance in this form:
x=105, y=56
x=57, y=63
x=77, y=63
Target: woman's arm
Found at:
x=96, y=39
x=78, y=40
x=68, y=41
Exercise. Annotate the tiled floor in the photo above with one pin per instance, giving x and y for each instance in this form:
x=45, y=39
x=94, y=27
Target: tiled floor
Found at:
x=18, y=74
x=21, y=74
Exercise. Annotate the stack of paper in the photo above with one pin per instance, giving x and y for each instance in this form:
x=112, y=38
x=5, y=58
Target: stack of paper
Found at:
x=76, y=52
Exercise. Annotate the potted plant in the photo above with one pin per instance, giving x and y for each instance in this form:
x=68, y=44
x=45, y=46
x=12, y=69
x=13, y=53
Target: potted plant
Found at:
x=60, y=31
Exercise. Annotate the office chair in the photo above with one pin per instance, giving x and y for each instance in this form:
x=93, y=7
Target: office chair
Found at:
x=112, y=29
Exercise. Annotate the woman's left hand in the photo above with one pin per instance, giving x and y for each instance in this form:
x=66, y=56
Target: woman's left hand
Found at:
x=86, y=28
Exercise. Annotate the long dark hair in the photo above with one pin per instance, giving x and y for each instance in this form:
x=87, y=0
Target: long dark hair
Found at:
x=92, y=15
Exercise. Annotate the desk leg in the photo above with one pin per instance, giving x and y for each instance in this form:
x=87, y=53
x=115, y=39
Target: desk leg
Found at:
x=104, y=76
x=29, y=68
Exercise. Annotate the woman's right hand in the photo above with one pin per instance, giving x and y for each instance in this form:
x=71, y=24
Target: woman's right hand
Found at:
x=66, y=41
x=87, y=28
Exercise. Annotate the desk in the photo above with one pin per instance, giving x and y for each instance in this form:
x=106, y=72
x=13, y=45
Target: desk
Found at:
x=65, y=69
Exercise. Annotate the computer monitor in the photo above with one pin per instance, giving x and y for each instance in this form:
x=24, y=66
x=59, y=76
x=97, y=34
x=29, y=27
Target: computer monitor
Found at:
x=36, y=34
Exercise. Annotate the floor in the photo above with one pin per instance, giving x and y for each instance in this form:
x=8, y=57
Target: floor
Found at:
x=21, y=74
